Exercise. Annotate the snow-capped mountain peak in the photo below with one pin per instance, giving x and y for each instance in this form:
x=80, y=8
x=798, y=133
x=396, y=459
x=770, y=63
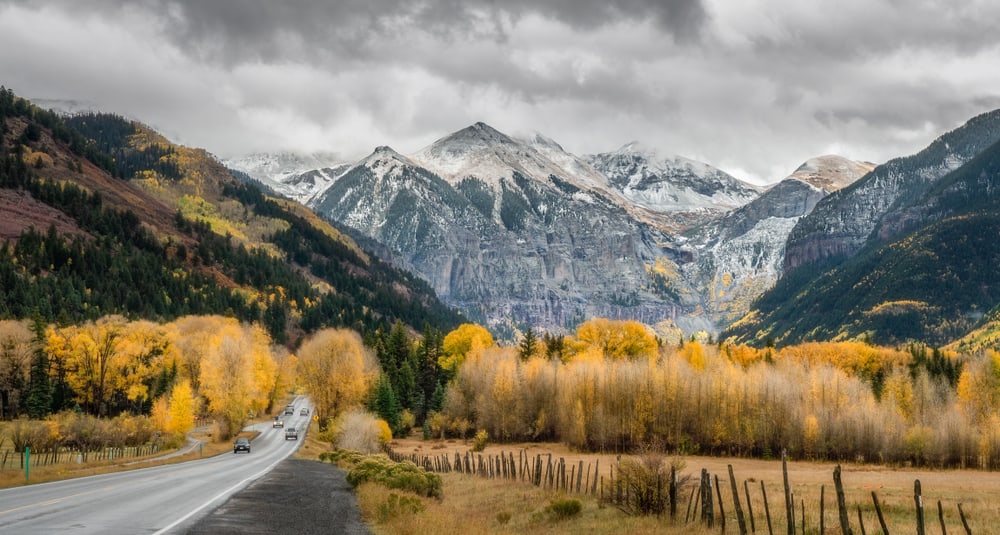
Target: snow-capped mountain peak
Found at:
x=483, y=152
x=670, y=183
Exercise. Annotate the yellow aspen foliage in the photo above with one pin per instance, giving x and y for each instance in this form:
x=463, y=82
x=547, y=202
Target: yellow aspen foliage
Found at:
x=694, y=354
x=979, y=386
x=742, y=354
x=229, y=375
x=384, y=432
x=181, y=409
x=337, y=370
x=899, y=390
x=458, y=344
x=159, y=415
x=94, y=361
x=810, y=434
x=193, y=337
x=506, y=387
x=618, y=339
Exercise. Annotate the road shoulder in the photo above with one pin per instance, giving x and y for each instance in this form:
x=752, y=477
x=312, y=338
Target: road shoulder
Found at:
x=298, y=496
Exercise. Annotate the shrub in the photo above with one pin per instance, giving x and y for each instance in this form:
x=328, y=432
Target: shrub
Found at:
x=479, y=441
x=360, y=431
x=397, y=505
x=563, y=508
x=403, y=476
x=503, y=517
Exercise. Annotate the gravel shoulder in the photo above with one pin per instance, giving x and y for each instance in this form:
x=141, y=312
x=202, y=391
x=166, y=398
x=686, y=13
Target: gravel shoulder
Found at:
x=299, y=496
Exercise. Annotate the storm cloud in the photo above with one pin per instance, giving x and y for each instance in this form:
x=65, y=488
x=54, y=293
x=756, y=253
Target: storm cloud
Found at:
x=752, y=87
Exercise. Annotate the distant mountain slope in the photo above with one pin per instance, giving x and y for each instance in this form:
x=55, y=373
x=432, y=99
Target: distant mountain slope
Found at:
x=932, y=281
x=296, y=176
x=740, y=254
x=841, y=223
x=129, y=223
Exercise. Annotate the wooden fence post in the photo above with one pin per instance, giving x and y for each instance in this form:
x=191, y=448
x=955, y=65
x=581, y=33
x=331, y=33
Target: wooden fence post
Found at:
x=740, y=519
x=707, y=514
x=965, y=524
x=672, y=492
x=789, y=506
x=861, y=522
x=944, y=530
x=878, y=512
x=690, y=499
x=822, y=508
x=845, y=525
x=722, y=509
x=753, y=524
x=918, y=500
x=767, y=509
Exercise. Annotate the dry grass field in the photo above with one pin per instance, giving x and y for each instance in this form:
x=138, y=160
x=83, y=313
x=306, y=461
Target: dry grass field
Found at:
x=475, y=505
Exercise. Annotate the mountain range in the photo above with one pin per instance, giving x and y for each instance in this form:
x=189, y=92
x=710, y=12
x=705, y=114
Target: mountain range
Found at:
x=518, y=232
x=521, y=232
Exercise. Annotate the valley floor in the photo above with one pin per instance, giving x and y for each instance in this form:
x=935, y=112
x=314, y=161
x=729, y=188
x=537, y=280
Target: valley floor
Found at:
x=473, y=504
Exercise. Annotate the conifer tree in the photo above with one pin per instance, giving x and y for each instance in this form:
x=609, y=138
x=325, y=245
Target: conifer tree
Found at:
x=39, y=401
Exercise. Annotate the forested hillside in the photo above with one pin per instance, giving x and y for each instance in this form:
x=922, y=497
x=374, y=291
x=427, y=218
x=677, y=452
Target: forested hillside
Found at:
x=927, y=274
x=104, y=216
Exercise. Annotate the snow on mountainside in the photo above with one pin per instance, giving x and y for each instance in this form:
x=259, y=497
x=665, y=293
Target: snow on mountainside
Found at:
x=298, y=176
x=741, y=254
x=482, y=152
x=671, y=183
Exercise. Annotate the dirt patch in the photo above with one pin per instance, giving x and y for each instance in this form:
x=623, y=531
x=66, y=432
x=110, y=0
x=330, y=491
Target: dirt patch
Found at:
x=20, y=211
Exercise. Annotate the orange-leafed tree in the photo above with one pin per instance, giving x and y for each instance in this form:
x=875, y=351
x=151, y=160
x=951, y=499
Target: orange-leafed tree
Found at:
x=234, y=379
x=337, y=370
x=95, y=361
x=618, y=339
x=464, y=340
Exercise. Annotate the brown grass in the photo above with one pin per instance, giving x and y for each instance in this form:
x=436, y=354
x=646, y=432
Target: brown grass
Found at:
x=475, y=505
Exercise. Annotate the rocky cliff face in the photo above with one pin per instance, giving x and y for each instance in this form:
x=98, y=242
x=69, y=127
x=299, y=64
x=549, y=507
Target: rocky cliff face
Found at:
x=510, y=240
x=741, y=254
x=842, y=222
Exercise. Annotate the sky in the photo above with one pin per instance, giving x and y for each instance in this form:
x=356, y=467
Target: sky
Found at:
x=753, y=87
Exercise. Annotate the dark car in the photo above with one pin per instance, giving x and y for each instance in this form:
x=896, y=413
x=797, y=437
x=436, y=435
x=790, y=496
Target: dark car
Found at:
x=242, y=444
x=304, y=411
x=291, y=433
x=290, y=409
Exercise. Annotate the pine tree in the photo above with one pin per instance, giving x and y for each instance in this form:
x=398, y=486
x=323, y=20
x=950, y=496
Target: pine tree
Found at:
x=39, y=390
x=527, y=346
x=385, y=404
x=437, y=399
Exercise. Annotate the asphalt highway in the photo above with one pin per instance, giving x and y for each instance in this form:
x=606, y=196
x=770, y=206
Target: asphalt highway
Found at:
x=157, y=500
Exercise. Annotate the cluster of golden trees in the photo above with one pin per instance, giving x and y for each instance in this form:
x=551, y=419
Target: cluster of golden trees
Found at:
x=174, y=372
x=843, y=400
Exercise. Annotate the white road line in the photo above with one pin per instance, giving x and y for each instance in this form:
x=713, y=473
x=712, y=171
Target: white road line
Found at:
x=221, y=495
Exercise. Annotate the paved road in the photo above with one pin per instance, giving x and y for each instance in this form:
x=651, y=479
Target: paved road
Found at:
x=156, y=500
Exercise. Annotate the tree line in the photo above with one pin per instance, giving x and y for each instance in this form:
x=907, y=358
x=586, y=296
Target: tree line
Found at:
x=843, y=401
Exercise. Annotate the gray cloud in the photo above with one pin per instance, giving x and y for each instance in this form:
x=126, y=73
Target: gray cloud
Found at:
x=754, y=87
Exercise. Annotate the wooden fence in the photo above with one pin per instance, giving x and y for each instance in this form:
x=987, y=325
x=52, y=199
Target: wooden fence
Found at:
x=10, y=459
x=706, y=493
